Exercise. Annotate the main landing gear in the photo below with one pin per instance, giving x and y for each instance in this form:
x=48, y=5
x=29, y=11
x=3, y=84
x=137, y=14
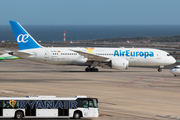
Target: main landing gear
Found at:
x=92, y=69
x=160, y=68
x=88, y=69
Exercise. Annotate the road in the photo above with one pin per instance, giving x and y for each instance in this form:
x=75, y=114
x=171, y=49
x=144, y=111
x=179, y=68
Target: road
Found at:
x=133, y=94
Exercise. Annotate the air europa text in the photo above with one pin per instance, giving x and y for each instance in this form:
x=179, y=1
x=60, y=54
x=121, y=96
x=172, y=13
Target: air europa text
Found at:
x=129, y=53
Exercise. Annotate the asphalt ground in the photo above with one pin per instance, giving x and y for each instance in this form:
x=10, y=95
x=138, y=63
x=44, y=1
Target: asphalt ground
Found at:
x=134, y=94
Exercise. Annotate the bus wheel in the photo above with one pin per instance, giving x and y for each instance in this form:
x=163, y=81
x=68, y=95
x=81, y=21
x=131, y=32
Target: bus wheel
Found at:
x=19, y=115
x=76, y=115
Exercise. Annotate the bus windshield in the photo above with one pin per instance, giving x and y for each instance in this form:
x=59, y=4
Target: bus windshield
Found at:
x=95, y=103
x=86, y=103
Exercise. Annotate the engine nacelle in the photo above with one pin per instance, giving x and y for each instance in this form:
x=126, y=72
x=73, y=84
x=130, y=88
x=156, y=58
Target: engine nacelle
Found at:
x=119, y=63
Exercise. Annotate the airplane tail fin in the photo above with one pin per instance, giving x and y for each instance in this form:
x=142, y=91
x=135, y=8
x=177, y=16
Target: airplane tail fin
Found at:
x=23, y=38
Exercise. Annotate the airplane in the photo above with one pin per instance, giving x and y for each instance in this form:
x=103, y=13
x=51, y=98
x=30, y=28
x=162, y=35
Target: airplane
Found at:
x=110, y=58
x=6, y=56
x=175, y=70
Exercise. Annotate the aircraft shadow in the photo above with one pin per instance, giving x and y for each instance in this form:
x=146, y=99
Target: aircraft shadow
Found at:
x=72, y=71
x=45, y=119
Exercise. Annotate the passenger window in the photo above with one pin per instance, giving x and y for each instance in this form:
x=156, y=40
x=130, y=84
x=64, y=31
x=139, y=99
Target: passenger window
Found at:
x=85, y=104
x=39, y=104
x=90, y=103
x=10, y=104
x=0, y=104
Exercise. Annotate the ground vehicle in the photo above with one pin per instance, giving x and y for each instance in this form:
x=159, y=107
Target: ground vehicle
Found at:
x=48, y=106
x=175, y=70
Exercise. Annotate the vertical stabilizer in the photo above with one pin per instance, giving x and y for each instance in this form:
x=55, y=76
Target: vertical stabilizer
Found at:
x=23, y=38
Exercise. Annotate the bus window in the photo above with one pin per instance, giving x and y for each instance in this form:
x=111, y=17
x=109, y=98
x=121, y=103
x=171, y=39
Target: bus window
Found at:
x=48, y=103
x=80, y=103
x=0, y=104
x=10, y=104
x=91, y=103
x=40, y=104
x=85, y=103
x=1, y=108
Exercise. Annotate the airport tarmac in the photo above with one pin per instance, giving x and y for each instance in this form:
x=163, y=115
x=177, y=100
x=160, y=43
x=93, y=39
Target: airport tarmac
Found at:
x=133, y=94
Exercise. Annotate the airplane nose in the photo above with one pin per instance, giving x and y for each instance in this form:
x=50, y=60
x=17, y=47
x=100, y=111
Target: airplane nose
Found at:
x=170, y=60
x=173, y=60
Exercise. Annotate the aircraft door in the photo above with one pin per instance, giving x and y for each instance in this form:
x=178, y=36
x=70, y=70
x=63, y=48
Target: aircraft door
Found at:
x=1, y=108
x=46, y=55
x=55, y=57
x=158, y=56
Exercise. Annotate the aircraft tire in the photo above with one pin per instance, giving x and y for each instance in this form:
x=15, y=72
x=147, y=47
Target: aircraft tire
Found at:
x=87, y=69
x=175, y=75
x=159, y=70
x=95, y=70
x=91, y=69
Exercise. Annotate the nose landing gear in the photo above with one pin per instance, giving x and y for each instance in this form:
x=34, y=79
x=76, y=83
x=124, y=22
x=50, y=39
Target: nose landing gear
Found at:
x=160, y=68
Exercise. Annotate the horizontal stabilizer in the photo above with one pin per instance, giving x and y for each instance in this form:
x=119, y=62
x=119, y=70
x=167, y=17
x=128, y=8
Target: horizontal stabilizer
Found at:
x=23, y=54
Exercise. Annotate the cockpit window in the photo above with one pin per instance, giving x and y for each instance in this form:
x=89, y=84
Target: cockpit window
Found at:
x=176, y=67
x=168, y=55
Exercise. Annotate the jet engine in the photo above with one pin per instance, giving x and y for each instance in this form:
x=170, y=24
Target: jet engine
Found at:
x=119, y=63
x=116, y=63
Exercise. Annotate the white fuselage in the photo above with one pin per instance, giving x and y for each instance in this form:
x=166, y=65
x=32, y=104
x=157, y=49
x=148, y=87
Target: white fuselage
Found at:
x=135, y=56
x=112, y=58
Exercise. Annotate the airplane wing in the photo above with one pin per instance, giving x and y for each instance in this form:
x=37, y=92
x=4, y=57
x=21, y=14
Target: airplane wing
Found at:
x=92, y=57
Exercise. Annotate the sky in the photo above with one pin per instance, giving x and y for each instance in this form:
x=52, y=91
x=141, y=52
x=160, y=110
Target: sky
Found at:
x=90, y=12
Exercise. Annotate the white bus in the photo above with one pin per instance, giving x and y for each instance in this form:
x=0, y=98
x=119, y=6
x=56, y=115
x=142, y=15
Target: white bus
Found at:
x=48, y=107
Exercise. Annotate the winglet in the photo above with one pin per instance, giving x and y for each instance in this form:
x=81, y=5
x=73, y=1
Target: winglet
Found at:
x=23, y=38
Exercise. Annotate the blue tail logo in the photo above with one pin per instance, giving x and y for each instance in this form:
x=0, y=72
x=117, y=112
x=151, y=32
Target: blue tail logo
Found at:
x=24, y=39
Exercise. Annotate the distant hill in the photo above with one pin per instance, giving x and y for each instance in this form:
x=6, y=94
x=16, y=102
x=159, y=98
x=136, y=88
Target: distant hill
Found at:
x=147, y=39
